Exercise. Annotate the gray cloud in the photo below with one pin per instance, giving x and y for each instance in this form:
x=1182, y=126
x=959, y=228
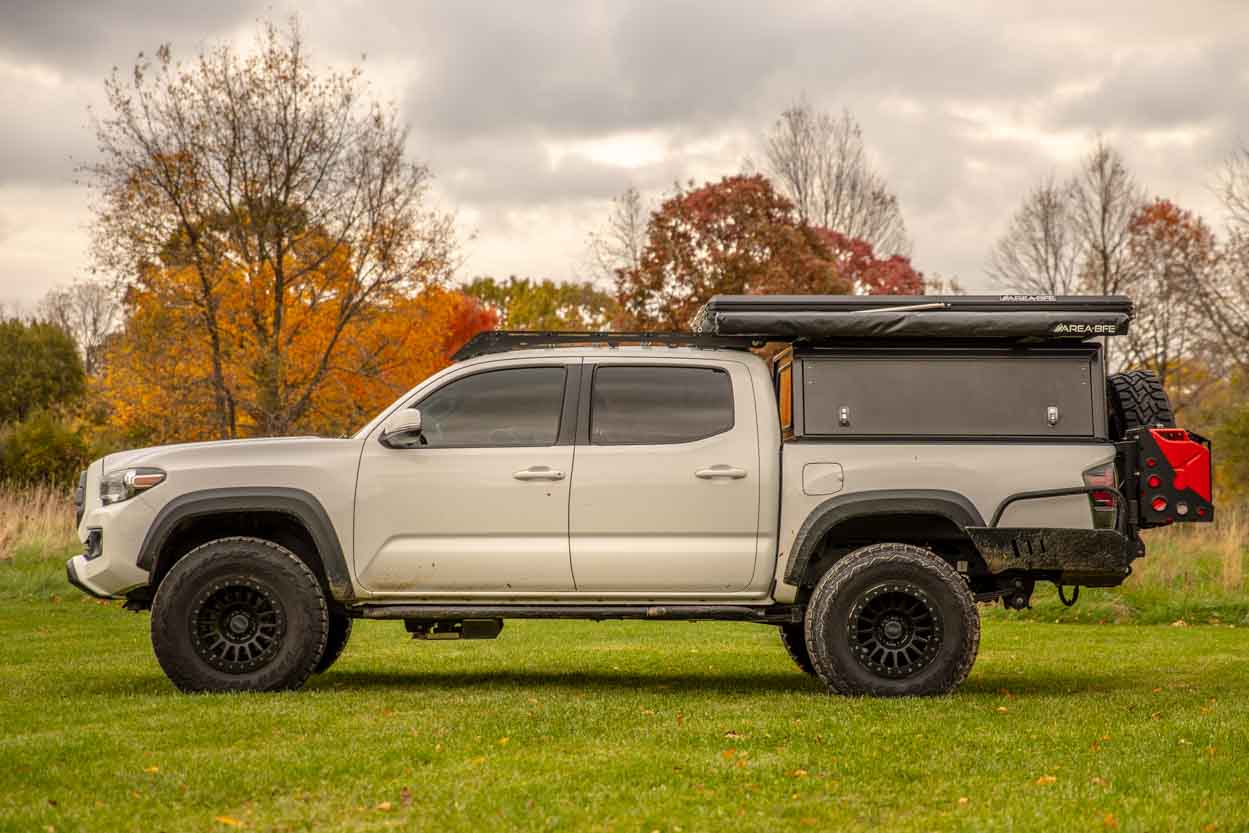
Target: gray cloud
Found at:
x=964, y=105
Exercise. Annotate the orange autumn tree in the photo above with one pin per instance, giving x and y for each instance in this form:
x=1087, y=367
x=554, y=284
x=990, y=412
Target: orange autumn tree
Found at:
x=158, y=375
x=284, y=270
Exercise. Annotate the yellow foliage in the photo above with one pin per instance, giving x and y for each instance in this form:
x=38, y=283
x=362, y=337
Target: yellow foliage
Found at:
x=317, y=359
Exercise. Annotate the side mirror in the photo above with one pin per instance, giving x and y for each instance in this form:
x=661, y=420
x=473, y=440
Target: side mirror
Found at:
x=402, y=429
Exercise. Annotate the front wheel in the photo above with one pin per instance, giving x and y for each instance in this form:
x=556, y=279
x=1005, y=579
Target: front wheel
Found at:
x=793, y=637
x=239, y=614
x=892, y=620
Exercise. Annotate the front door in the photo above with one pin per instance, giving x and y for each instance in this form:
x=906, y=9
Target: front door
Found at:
x=480, y=501
x=665, y=496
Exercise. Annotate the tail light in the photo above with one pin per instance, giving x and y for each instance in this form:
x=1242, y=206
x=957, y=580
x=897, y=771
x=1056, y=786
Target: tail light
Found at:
x=1102, y=503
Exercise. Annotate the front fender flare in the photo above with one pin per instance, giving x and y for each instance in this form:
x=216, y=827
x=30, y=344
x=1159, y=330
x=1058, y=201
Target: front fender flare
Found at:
x=836, y=510
x=301, y=505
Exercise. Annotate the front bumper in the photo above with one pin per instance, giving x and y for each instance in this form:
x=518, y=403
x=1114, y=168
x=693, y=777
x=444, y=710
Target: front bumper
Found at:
x=71, y=573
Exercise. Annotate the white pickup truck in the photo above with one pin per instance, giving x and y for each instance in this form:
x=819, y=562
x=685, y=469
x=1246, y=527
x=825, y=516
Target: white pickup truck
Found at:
x=897, y=461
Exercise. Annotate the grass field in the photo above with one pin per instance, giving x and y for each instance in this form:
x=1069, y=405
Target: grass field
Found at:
x=634, y=726
x=623, y=727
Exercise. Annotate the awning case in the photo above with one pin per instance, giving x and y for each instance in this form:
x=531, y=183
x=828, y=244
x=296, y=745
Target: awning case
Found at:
x=999, y=317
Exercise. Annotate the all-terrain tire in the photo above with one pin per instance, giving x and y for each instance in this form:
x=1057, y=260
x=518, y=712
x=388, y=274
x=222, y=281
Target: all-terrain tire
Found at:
x=794, y=638
x=336, y=640
x=1137, y=400
x=239, y=614
x=892, y=620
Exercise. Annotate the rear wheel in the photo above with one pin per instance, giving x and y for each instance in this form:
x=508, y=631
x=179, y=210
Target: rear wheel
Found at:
x=239, y=614
x=793, y=637
x=1137, y=400
x=892, y=620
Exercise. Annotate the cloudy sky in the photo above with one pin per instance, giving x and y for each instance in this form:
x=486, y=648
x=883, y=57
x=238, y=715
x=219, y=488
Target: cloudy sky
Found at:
x=534, y=114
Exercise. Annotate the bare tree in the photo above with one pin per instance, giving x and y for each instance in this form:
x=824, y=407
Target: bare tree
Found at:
x=1225, y=294
x=253, y=164
x=1041, y=251
x=1233, y=187
x=89, y=311
x=618, y=245
x=819, y=162
x=1105, y=196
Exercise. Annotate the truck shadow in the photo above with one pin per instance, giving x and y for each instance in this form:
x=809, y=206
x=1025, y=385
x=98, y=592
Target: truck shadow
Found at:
x=1051, y=685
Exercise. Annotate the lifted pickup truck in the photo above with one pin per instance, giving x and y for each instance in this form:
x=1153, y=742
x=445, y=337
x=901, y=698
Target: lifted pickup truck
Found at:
x=895, y=462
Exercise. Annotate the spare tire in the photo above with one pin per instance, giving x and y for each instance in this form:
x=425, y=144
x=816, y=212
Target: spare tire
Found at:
x=1137, y=400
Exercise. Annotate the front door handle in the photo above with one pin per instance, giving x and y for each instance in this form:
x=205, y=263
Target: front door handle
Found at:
x=721, y=471
x=538, y=473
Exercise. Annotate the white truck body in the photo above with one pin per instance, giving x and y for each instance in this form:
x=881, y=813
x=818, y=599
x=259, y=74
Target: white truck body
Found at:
x=625, y=522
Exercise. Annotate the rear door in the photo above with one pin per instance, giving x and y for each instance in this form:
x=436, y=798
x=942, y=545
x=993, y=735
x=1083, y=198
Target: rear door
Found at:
x=665, y=493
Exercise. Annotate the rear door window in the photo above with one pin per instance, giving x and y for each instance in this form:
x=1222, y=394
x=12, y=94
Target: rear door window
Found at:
x=659, y=405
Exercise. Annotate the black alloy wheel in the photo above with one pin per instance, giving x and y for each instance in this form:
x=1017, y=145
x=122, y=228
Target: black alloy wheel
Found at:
x=895, y=629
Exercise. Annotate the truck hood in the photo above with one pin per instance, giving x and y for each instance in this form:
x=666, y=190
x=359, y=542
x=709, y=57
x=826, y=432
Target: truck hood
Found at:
x=155, y=455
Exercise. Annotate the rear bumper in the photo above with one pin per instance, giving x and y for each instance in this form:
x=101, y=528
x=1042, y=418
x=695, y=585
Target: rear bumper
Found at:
x=1092, y=557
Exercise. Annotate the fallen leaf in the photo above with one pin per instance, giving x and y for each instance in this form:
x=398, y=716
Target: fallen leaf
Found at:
x=648, y=712
x=1046, y=779
x=1179, y=623
x=963, y=801
x=680, y=719
x=742, y=763
x=1210, y=828
x=151, y=770
x=1110, y=822
x=1099, y=781
x=1002, y=710
x=808, y=822
x=731, y=735
x=798, y=773
x=504, y=740
x=729, y=753
x=230, y=820
x=384, y=806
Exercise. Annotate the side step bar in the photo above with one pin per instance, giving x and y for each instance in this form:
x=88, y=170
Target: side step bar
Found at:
x=772, y=615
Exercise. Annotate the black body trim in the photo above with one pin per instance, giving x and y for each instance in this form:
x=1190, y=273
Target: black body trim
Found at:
x=841, y=508
x=300, y=505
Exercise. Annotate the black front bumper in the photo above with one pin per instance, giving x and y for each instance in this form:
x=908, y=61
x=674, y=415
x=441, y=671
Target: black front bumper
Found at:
x=72, y=576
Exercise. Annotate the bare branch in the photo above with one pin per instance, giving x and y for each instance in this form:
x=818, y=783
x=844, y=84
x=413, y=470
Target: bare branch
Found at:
x=819, y=162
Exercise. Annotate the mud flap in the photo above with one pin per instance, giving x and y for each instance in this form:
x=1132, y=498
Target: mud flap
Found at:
x=1092, y=557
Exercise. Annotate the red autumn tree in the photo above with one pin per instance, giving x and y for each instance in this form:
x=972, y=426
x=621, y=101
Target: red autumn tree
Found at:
x=735, y=236
x=1171, y=252
x=869, y=274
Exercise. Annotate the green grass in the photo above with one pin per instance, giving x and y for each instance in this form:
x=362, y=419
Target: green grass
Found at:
x=622, y=727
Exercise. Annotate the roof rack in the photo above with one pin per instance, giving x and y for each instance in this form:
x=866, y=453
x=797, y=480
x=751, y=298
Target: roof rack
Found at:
x=817, y=318
x=502, y=341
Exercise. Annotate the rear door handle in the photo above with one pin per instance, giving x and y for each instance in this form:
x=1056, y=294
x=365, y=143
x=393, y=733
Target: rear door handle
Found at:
x=721, y=471
x=538, y=473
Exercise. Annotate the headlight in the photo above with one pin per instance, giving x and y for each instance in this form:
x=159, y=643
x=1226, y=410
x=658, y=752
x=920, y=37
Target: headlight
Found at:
x=124, y=484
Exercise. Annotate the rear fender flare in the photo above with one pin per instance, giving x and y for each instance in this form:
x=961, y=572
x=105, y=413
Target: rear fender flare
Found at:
x=837, y=510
